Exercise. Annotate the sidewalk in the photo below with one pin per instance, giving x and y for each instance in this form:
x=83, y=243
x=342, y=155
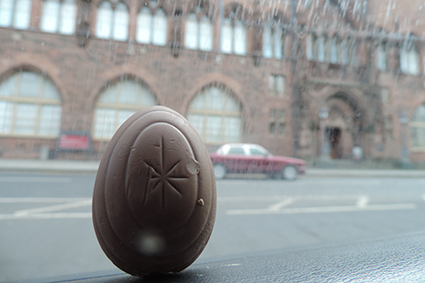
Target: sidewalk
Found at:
x=73, y=166
x=365, y=173
x=69, y=166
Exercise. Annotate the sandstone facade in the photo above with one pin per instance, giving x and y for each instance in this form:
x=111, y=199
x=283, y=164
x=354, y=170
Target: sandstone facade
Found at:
x=366, y=104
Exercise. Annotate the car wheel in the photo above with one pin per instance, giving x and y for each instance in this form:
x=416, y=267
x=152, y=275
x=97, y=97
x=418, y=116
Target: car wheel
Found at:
x=289, y=173
x=219, y=171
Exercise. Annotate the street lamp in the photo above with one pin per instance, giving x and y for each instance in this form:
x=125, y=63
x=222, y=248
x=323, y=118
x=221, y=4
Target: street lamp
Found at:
x=324, y=153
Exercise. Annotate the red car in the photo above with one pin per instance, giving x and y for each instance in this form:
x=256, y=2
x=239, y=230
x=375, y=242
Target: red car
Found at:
x=252, y=158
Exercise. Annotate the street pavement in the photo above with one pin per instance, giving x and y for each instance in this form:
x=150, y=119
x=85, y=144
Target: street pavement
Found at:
x=46, y=229
x=74, y=166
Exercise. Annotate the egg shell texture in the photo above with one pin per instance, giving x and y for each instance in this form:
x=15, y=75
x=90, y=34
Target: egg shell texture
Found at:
x=154, y=200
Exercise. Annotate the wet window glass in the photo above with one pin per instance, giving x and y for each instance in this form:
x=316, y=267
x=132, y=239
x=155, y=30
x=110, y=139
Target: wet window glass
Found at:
x=313, y=114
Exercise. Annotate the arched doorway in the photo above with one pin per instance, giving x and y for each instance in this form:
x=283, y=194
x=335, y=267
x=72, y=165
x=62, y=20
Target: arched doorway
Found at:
x=340, y=128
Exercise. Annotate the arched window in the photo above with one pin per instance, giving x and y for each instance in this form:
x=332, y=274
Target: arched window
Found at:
x=152, y=28
x=332, y=50
x=381, y=56
x=233, y=34
x=104, y=20
x=321, y=44
x=15, y=13
x=159, y=29
x=112, y=23
x=409, y=58
x=116, y=104
x=338, y=51
x=351, y=49
x=216, y=115
x=199, y=33
x=59, y=16
x=273, y=39
x=417, y=127
x=311, y=47
x=348, y=52
x=317, y=48
x=30, y=105
x=144, y=26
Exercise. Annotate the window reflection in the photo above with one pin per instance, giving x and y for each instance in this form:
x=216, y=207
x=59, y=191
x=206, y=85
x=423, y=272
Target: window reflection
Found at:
x=233, y=34
x=417, y=127
x=112, y=23
x=29, y=105
x=152, y=28
x=276, y=85
x=216, y=116
x=332, y=49
x=198, y=33
x=273, y=39
x=116, y=104
x=15, y=13
x=58, y=16
x=120, y=26
x=409, y=58
x=381, y=56
x=104, y=20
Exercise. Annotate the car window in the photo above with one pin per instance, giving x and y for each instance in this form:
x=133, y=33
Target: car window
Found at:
x=215, y=148
x=256, y=151
x=236, y=150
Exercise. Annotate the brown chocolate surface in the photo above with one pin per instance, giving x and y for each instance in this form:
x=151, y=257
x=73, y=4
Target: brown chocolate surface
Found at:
x=154, y=198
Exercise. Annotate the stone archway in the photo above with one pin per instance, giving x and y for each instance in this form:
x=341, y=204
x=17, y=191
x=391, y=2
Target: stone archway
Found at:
x=341, y=130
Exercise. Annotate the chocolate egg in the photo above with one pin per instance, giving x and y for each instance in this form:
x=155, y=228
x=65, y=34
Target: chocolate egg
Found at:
x=154, y=199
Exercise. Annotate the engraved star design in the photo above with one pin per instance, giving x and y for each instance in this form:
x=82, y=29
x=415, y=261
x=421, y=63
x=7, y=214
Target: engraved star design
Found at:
x=161, y=178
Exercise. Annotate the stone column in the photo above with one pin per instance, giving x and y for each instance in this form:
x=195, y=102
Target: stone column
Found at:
x=132, y=25
x=84, y=22
x=256, y=42
x=36, y=13
x=363, y=54
x=175, y=41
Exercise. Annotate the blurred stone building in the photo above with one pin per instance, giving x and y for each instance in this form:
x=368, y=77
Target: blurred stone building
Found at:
x=307, y=78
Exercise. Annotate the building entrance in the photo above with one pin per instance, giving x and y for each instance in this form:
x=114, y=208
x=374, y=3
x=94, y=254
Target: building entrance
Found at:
x=333, y=135
x=340, y=125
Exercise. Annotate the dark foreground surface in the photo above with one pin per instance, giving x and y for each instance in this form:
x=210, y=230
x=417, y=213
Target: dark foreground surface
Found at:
x=46, y=229
x=396, y=259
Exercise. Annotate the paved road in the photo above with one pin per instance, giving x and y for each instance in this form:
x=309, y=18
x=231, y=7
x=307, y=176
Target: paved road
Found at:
x=46, y=230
